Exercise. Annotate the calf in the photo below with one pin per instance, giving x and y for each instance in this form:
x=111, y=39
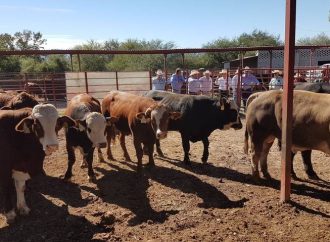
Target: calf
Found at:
x=310, y=128
x=27, y=135
x=201, y=115
x=17, y=100
x=89, y=134
x=140, y=116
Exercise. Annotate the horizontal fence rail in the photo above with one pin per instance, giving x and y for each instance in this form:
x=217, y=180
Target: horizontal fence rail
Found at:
x=58, y=88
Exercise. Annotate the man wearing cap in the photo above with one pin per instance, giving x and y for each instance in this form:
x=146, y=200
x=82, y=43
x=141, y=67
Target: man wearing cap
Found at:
x=277, y=81
x=224, y=83
x=177, y=81
x=193, y=83
x=201, y=71
x=159, y=82
x=206, y=83
x=249, y=81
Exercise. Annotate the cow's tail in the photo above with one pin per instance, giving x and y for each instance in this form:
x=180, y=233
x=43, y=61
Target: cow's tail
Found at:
x=246, y=142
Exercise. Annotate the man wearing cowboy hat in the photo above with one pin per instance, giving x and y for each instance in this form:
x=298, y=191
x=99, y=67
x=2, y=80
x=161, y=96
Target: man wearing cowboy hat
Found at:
x=193, y=83
x=249, y=82
x=277, y=81
x=206, y=83
x=224, y=83
x=159, y=82
x=177, y=81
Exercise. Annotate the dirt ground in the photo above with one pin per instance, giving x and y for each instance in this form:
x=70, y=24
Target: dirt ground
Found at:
x=174, y=202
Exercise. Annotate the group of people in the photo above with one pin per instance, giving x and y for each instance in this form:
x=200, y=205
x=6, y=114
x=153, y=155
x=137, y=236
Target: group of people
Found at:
x=198, y=82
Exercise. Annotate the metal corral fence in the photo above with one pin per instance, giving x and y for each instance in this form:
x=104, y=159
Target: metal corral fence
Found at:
x=58, y=88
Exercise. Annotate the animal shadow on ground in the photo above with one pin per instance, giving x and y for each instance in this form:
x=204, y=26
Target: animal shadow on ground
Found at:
x=47, y=221
x=188, y=183
x=128, y=189
x=229, y=174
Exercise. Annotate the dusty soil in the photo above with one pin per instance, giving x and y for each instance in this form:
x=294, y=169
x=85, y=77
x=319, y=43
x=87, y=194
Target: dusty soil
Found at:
x=174, y=202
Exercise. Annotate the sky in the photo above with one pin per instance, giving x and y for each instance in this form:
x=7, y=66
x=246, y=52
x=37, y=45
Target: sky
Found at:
x=188, y=23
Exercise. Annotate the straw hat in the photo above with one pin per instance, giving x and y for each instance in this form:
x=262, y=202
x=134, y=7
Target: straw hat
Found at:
x=159, y=72
x=276, y=71
x=223, y=71
x=236, y=72
x=207, y=72
x=194, y=72
x=201, y=69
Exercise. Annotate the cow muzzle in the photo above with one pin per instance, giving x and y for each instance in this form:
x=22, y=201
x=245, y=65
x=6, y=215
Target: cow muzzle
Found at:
x=161, y=134
x=50, y=149
x=101, y=145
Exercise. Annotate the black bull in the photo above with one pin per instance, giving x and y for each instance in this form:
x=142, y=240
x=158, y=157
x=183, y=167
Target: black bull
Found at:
x=201, y=115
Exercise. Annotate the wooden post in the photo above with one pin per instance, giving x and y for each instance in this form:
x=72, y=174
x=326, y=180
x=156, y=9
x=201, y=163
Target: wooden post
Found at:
x=71, y=62
x=117, y=83
x=79, y=64
x=53, y=90
x=150, y=80
x=287, y=99
x=86, y=82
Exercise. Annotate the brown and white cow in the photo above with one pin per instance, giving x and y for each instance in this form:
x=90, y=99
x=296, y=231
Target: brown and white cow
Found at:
x=27, y=135
x=89, y=134
x=13, y=100
x=140, y=116
x=310, y=127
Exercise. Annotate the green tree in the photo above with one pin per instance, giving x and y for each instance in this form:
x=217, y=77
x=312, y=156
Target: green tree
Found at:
x=320, y=39
x=255, y=38
x=28, y=40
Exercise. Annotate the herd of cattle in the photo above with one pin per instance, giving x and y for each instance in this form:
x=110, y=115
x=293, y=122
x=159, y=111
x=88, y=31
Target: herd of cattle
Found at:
x=29, y=130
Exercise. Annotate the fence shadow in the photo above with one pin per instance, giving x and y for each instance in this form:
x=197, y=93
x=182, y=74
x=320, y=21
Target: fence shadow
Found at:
x=128, y=189
x=226, y=173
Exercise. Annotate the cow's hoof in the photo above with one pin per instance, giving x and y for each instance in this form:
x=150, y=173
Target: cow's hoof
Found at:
x=111, y=158
x=313, y=176
x=150, y=165
x=10, y=216
x=24, y=210
x=91, y=178
x=67, y=176
x=204, y=160
x=160, y=153
x=294, y=176
x=267, y=176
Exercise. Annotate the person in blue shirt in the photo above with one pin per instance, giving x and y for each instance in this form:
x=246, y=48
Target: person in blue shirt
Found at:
x=159, y=82
x=177, y=81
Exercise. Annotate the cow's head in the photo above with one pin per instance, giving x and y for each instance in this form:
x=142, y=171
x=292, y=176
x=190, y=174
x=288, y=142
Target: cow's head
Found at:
x=44, y=122
x=230, y=114
x=23, y=100
x=94, y=124
x=158, y=115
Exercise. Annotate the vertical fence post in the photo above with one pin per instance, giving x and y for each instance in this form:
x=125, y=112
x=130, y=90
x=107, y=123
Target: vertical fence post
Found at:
x=86, y=82
x=53, y=91
x=287, y=99
x=150, y=80
x=117, y=83
x=165, y=65
x=79, y=64
x=239, y=88
x=71, y=62
x=26, y=86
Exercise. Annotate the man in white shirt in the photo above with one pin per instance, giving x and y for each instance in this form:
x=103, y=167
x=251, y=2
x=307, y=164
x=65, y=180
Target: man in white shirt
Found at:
x=224, y=83
x=233, y=85
x=194, y=83
x=206, y=83
x=159, y=82
x=277, y=81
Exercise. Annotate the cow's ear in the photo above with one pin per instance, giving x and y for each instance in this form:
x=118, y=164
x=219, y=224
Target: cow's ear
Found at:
x=64, y=121
x=175, y=115
x=82, y=125
x=142, y=117
x=111, y=120
x=148, y=113
x=25, y=125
